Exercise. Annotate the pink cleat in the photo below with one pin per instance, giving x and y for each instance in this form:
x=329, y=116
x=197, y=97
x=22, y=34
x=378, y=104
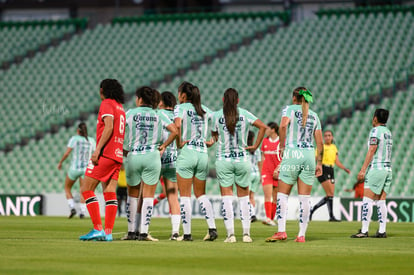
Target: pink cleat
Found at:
x=300, y=239
x=279, y=236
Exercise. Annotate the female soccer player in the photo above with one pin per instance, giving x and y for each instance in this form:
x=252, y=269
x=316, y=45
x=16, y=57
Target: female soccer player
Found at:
x=231, y=128
x=82, y=147
x=271, y=161
x=192, y=119
x=256, y=163
x=298, y=128
x=377, y=173
x=330, y=158
x=144, y=135
x=106, y=160
x=168, y=165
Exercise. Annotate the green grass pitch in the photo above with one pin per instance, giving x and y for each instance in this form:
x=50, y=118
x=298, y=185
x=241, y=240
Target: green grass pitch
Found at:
x=50, y=245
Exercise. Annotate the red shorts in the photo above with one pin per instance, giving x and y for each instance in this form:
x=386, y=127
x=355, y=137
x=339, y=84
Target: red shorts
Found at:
x=268, y=179
x=359, y=190
x=105, y=170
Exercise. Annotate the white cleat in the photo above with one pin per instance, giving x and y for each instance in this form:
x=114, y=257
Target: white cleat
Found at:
x=269, y=222
x=230, y=239
x=247, y=239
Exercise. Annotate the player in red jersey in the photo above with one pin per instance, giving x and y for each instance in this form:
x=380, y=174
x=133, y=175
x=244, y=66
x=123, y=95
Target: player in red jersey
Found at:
x=106, y=161
x=271, y=161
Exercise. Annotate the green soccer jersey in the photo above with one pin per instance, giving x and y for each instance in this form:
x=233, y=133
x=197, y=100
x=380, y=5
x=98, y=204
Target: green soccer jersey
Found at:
x=382, y=137
x=143, y=131
x=169, y=157
x=298, y=136
x=82, y=150
x=232, y=147
x=194, y=128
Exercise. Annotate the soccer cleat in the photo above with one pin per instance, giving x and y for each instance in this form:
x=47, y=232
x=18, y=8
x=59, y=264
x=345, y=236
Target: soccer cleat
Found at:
x=380, y=235
x=253, y=219
x=230, y=239
x=269, y=222
x=185, y=238
x=174, y=237
x=333, y=219
x=247, y=239
x=146, y=237
x=278, y=236
x=129, y=237
x=108, y=238
x=81, y=216
x=300, y=239
x=360, y=235
x=211, y=235
x=93, y=235
x=72, y=213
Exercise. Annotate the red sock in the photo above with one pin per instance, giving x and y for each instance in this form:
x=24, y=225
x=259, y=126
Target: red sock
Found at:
x=156, y=201
x=273, y=210
x=268, y=209
x=110, y=211
x=92, y=204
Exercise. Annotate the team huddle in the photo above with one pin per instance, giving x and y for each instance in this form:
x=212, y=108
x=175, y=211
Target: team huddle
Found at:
x=160, y=138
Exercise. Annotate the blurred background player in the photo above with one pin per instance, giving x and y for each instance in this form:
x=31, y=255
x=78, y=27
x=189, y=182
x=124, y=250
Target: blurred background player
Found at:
x=144, y=128
x=358, y=189
x=168, y=166
x=377, y=172
x=330, y=158
x=271, y=161
x=256, y=164
x=82, y=147
x=230, y=129
x=192, y=121
x=106, y=160
x=121, y=190
x=298, y=129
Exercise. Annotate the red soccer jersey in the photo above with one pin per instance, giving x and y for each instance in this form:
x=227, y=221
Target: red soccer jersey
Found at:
x=271, y=155
x=113, y=148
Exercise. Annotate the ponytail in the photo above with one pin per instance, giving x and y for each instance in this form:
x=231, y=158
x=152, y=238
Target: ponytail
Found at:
x=83, y=130
x=193, y=95
x=305, y=111
x=304, y=96
x=196, y=101
x=230, y=111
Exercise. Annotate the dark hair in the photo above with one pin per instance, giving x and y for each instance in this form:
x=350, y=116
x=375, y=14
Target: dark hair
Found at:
x=305, y=104
x=157, y=99
x=330, y=131
x=168, y=99
x=382, y=115
x=250, y=139
x=274, y=125
x=147, y=95
x=193, y=95
x=112, y=89
x=230, y=111
x=83, y=130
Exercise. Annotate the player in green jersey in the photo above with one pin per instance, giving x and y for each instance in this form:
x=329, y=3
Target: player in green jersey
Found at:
x=255, y=178
x=192, y=121
x=143, y=139
x=231, y=129
x=168, y=165
x=82, y=147
x=299, y=127
x=377, y=173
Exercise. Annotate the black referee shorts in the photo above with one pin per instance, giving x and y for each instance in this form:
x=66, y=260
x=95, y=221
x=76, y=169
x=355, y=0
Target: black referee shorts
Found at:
x=327, y=174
